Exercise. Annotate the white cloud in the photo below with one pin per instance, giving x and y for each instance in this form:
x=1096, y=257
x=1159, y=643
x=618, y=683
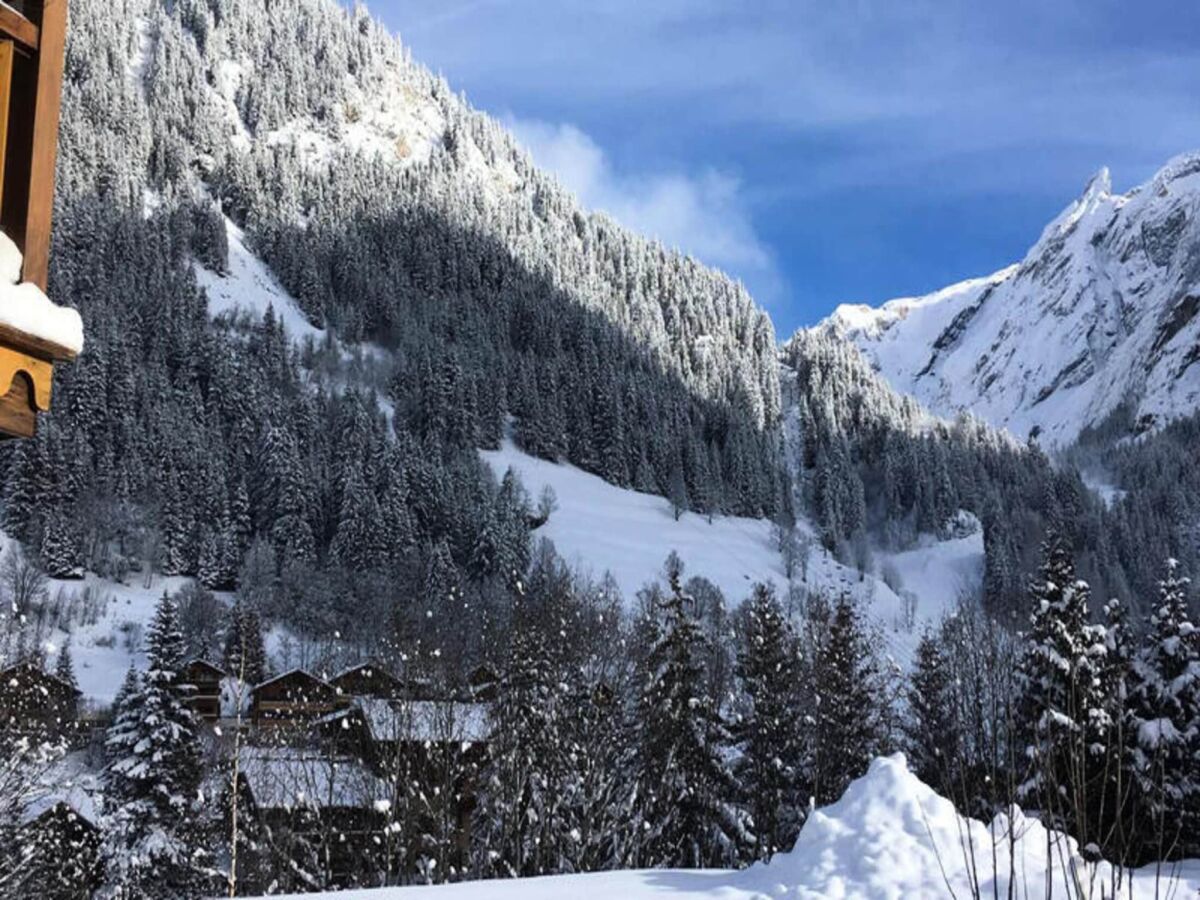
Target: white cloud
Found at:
x=703, y=214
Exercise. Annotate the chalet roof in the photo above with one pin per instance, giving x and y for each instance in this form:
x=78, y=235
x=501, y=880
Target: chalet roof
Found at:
x=437, y=721
x=289, y=778
x=371, y=667
x=301, y=674
x=68, y=781
x=198, y=663
x=371, y=670
x=10, y=675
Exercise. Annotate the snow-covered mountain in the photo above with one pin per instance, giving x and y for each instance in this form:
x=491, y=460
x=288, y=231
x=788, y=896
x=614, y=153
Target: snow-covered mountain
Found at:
x=1104, y=308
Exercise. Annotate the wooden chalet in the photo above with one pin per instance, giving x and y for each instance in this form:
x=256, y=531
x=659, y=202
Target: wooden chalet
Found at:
x=318, y=804
x=75, y=862
x=204, y=678
x=33, y=701
x=369, y=679
x=293, y=698
x=32, y=43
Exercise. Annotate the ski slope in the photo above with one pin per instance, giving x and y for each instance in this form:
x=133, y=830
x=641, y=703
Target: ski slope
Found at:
x=599, y=527
x=890, y=837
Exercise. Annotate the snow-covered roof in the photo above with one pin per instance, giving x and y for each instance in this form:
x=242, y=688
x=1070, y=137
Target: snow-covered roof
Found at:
x=9, y=676
x=204, y=664
x=370, y=667
x=291, y=673
x=68, y=781
x=287, y=778
x=425, y=720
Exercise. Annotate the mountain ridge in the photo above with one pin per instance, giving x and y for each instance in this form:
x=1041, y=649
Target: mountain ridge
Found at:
x=1101, y=310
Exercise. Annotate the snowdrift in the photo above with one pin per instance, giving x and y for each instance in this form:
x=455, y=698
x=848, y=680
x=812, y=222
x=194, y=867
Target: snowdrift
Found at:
x=890, y=836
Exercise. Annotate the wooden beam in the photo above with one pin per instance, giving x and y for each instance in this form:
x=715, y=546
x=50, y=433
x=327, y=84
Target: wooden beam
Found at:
x=45, y=141
x=19, y=28
x=6, y=71
x=33, y=346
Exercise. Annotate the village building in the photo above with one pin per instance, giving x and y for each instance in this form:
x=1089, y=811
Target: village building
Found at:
x=369, y=679
x=205, y=680
x=318, y=806
x=33, y=701
x=295, y=698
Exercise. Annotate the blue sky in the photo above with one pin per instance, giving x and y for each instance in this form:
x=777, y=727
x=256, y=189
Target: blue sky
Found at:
x=828, y=151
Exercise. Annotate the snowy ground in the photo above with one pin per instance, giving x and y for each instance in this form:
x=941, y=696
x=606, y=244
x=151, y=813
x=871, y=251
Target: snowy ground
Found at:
x=250, y=287
x=600, y=528
x=890, y=836
x=108, y=623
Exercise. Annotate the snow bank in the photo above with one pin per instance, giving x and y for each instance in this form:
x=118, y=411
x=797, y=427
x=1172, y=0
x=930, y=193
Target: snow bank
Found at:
x=25, y=308
x=889, y=837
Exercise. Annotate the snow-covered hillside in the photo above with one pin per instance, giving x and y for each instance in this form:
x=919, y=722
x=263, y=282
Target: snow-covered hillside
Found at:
x=1104, y=307
x=600, y=528
x=250, y=287
x=889, y=836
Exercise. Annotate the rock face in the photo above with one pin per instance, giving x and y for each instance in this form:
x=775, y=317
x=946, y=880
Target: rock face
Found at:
x=1104, y=308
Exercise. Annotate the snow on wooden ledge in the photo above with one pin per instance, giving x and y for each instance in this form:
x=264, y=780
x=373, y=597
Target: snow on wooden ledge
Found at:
x=55, y=331
x=24, y=308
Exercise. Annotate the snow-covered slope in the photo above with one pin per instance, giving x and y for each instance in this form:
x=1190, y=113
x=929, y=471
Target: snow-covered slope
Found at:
x=890, y=836
x=1104, y=307
x=250, y=287
x=598, y=527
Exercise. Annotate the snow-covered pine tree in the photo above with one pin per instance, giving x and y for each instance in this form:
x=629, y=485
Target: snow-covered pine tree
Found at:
x=1062, y=719
x=245, y=655
x=771, y=731
x=64, y=667
x=932, y=729
x=596, y=809
x=677, y=492
x=152, y=845
x=1166, y=706
x=687, y=796
x=1115, y=807
x=519, y=825
x=847, y=729
x=218, y=559
x=59, y=551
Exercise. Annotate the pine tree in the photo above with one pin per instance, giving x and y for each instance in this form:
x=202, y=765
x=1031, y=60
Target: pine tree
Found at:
x=519, y=825
x=151, y=847
x=1062, y=722
x=64, y=668
x=59, y=857
x=1116, y=809
x=847, y=730
x=772, y=767
x=245, y=656
x=687, y=795
x=1166, y=707
x=932, y=729
x=678, y=492
x=596, y=807
x=59, y=551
